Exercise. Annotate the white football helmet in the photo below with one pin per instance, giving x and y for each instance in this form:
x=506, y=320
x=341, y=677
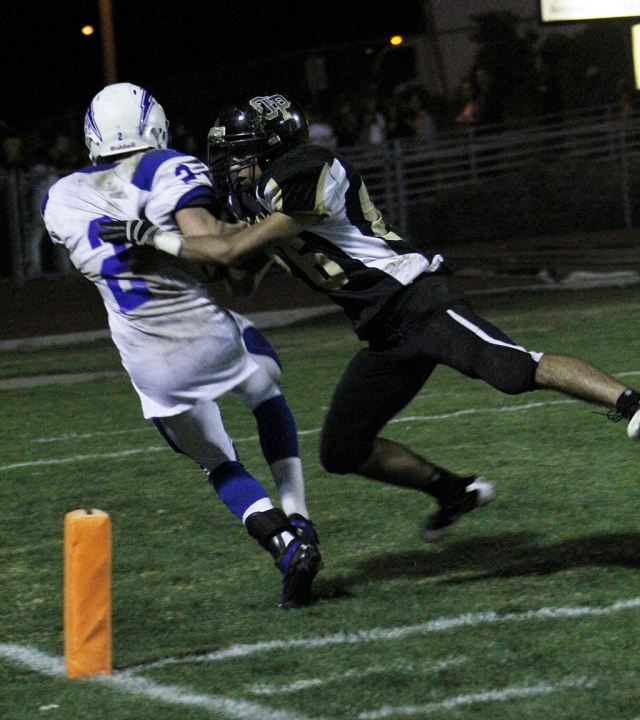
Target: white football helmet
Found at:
x=122, y=118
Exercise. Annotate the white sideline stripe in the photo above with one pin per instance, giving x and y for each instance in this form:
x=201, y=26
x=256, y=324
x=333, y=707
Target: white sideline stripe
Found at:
x=84, y=436
x=21, y=383
x=315, y=431
x=264, y=689
x=442, y=416
x=406, y=418
x=175, y=695
x=171, y=694
x=445, y=416
x=399, y=633
x=512, y=693
x=262, y=320
x=474, y=411
x=81, y=458
x=280, y=318
x=34, y=660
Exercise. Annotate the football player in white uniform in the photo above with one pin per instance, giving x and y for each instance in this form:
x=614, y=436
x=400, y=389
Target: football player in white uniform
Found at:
x=180, y=347
x=310, y=208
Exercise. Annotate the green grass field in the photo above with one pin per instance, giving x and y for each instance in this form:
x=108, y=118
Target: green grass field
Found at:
x=530, y=609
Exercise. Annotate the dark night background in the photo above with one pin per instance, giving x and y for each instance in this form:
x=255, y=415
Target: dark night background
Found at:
x=193, y=56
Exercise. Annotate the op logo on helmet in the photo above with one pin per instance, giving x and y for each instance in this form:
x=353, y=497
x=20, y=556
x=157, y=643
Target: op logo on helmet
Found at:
x=270, y=106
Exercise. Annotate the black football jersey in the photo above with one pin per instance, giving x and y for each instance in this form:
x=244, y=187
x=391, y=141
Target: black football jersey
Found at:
x=350, y=254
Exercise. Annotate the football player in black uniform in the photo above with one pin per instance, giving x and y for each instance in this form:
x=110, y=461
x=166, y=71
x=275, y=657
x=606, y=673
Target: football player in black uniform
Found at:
x=310, y=210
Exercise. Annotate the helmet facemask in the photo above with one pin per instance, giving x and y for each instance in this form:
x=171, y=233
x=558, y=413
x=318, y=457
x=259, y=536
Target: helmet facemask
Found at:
x=229, y=156
x=252, y=134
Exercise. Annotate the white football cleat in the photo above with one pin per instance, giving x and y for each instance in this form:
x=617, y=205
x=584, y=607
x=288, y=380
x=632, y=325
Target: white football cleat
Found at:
x=633, y=428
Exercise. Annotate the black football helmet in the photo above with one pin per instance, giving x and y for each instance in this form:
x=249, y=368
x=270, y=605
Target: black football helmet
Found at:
x=258, y=130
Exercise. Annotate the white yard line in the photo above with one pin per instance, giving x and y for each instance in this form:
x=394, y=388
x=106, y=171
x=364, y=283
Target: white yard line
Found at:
x=399, y=633
x=21, y=383
x=252, y=438
x=349, y=675
x=130, y=683
x=315, y=431
x=97, y=433
x=170, y=694
x=262, y=320
x=512, y=693
x=478, y=411
x=83, y=458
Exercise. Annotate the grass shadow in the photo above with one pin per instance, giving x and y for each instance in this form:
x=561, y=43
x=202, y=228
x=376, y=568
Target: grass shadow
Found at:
x=506, y=555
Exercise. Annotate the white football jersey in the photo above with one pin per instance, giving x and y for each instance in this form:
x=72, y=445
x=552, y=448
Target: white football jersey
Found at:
x=177, y=343
x=351, y=255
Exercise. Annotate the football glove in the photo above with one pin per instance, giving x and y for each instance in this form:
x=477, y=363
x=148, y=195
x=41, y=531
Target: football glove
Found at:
x=136, y=232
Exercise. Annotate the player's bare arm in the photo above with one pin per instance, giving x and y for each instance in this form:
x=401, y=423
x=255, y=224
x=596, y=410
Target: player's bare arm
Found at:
x=226, y=249
x=199, y=221
x=207, y=240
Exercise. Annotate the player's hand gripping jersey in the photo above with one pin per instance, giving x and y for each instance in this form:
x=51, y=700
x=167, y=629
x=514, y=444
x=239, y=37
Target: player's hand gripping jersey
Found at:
x=152, y=299
x=350, y=253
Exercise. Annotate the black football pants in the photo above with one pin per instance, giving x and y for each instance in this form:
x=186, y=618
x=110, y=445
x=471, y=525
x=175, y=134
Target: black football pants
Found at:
x=383, y=378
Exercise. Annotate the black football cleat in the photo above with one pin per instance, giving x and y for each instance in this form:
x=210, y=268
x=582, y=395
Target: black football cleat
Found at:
x=299, y=566
x=475, y=493
x=305, y=529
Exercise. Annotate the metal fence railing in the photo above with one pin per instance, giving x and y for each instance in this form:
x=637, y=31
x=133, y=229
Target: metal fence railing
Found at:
x=410, y=173
x=402, y=177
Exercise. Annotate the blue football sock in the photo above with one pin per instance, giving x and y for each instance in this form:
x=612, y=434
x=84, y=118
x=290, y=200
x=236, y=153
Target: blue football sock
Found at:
x=237, y=489
x=277, y=430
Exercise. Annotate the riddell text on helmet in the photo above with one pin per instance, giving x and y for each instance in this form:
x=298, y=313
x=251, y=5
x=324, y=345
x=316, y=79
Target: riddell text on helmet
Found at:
x=122, y=146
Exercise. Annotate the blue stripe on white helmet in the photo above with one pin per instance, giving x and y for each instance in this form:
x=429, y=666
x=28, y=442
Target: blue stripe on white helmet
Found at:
x=124, y=118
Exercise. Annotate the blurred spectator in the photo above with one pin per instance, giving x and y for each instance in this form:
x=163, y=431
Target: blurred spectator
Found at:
x=321, y=131
x=597, y=91
x=374, y=124
x=36, y=244
x=489, y=106
x=12, y=151
x=547, y=95
x=485, y=105
x=5, y=132
x=423, y=124
x=346, y=124
x=410, y=117
x=67, y=154
x=466, y=103
x=626, y=99
x=401, y=118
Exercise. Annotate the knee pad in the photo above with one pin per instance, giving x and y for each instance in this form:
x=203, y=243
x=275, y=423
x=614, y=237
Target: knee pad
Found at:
x=257, y=389
x=262, y=351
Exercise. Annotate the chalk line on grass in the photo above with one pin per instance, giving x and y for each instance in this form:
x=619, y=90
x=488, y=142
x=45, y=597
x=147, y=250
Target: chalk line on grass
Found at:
x=398, y=633
x=512, y=693
x=350, y=675
x=252, y=438
x=170, y=694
